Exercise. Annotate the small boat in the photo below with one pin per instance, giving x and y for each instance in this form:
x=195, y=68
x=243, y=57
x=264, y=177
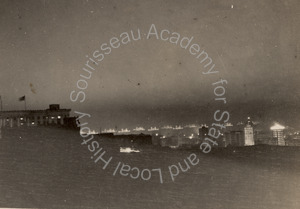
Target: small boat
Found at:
x=128, y=150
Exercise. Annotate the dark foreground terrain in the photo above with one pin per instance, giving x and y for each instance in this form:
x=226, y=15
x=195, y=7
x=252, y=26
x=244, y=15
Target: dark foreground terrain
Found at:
x=49, y=168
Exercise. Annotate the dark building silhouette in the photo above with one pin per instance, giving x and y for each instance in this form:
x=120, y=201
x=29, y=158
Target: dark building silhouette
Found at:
x=203, y=131
x=52, y=116
x=241, y=134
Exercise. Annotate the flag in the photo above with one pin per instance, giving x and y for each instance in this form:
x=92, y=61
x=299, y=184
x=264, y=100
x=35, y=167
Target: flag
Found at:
x=22, y=98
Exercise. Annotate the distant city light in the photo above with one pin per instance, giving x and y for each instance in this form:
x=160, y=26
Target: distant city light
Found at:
x=93, y=132
x=167, y=127
x=58, y=117
x=111, y=130
x=178, y=127
x=190, y=126
x=228, y=124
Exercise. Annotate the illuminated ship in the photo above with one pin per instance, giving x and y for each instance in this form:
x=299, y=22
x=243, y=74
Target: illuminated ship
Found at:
x=124, y=130
x=93, y=132
x=111, y=130
x=139, y=129
x=153, y=129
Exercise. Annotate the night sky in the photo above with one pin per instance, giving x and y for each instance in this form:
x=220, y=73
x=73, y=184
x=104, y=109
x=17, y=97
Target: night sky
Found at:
x=150, y=82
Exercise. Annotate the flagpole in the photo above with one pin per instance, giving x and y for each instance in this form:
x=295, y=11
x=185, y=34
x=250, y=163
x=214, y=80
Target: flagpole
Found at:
x=1, y=102
x=25, y=102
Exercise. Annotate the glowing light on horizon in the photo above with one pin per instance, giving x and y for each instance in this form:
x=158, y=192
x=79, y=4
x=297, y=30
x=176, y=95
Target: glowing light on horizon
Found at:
x=277, y=126
x=178, y=127
x=109, y=130
x=190, y=126
x=167, y=127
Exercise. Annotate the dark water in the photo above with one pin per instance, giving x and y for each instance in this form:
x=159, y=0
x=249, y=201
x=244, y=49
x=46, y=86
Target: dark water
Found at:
x=50, y=168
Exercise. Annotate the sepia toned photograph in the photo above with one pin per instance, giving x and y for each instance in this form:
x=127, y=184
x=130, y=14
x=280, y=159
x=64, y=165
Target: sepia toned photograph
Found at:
x=162, y=104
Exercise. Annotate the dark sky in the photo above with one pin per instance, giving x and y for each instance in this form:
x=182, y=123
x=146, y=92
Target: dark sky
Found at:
x=254, y=44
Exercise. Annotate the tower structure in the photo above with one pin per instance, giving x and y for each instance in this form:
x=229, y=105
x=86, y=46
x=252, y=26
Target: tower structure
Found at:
x=277, y=134
x=248, y=131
